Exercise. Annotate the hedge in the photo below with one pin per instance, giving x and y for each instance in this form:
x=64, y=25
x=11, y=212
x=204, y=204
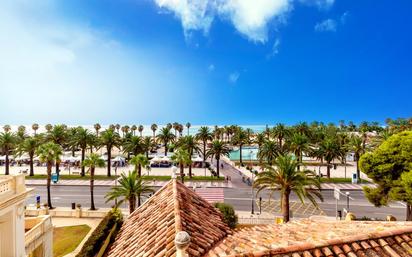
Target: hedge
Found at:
x=110, y=225
x=228, y=213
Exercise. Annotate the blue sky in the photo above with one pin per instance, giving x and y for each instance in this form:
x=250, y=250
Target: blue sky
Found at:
x=204, y=61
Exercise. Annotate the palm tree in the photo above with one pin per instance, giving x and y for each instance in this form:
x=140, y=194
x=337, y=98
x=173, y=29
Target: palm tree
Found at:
x=280, y=132
x=188, y=125
x=140, y=161
x=49, y=153
x=147, y=145
x=133, y=145
x=35, y=127
x=330, y=150
x=57, y=135
x=153, y=127
x=298, y=144
x=6, y=128
x=48, y=127
x=7, y=145
x=175, y=127
x=286, y=178
x=356, y=145
x=189, y=144
x=218, y=148
x=21, y=133
x=134, y=128
x=166, y=136
x=240, y=138
x=204, y=135
x=268, y=152
x=117, y=127
x=182, y=157
x=93, y=161
x=82, y=138
x=97, y=127
x=130, y=187
x=29, y=146
x=109, y=139
x=260, y=139
x=125, y=130
x=140, y=129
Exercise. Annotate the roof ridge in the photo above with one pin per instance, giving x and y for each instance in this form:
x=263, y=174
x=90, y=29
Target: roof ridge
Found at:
x=178, y=219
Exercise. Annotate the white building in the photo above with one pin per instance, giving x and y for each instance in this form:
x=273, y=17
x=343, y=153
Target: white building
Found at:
x=20, y=236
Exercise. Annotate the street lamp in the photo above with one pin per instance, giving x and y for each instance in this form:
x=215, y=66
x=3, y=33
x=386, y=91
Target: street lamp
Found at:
x=347, y=200
x=253, y=193
x=115, y=181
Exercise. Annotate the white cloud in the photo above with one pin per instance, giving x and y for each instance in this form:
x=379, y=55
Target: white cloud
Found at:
x=211, y=67
x=321, y=4
x=252, y=18
x=344, y=17
x=275, y=49
x=234, y=77
x=326, y=25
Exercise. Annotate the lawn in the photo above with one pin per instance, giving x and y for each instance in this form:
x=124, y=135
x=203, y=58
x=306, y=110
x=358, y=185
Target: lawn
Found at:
x=104, y=177
x=66, y=239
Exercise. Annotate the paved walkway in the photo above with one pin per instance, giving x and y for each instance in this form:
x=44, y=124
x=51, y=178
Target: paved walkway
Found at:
x=78, y=182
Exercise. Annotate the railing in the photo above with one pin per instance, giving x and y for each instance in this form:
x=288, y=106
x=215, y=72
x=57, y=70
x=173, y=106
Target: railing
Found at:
x=6, y=186
x=257, y=221
x=36, y=227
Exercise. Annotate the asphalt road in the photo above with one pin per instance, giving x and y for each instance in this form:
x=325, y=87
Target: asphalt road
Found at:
x=240, y=198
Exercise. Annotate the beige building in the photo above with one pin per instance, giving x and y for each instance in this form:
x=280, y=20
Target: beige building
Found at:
x=21, y=236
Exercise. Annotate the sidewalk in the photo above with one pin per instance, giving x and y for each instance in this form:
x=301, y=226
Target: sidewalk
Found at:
x=78, y=182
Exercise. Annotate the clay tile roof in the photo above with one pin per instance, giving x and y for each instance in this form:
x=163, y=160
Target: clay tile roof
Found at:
x=150, y=230
x=325, y=238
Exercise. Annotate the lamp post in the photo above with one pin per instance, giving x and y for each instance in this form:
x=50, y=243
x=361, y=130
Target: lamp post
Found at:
x=253, y=193
x=115, y=182
x=347, y=201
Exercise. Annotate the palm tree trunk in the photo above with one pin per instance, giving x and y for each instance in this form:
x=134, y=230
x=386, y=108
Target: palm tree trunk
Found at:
x=240, y=151
x=328, y=170
x=7, y=163
x=204, y=152
x=57, y=168
x=280, y=142
x=109, y=161
x=92, y=207
x=182, y=173
x=31, y=165
x=138, y=200
x=217, y=167
x=132, y=203
x=285, y=206
x=408, y=212
x=49, y=169
x=83, y=168
x=166, y=149
x=139, y=169
x=357, y=168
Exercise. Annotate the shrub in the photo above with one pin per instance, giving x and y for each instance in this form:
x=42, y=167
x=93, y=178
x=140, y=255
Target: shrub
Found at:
x=102, y=231
x=228, y=213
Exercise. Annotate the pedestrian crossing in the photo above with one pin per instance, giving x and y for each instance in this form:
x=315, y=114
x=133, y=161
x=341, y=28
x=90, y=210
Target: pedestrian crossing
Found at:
x=212, y=195
x=344, y=186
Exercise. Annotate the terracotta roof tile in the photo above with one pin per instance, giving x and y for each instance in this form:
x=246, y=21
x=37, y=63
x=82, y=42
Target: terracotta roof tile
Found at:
x=150, y=230
x=326, y=238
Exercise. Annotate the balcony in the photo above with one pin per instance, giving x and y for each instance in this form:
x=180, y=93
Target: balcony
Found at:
x=39, y=233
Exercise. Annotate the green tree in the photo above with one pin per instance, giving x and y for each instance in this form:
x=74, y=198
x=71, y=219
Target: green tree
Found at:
x=7, y=144
x=190, y=145
x=153, y=127
x=298, y=144
x=356, y=146
x=240, y=138
x=268, y=152
x=29, y=146
x=330, y=150
x=188, y=125
x=35, y=127
x=140, y=129
x=205, y=135
x=58, y=135
x=166, y=136
x=92, y=162
x=286, y=178
x=133, y=145
x=49, y=153
x=140, y=161
x=182, y=157
x=82, y=139
x=390, y=168
x=147, y=145
x=109, y=139
x=97, y=128
x=130, y=188
x=218, y=149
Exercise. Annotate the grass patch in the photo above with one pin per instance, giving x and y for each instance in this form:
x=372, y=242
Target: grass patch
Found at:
x=194, y=178
x=340, y=180
x=66, y=239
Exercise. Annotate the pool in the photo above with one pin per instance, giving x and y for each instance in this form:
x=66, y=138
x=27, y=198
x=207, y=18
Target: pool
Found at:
x=248, y=153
